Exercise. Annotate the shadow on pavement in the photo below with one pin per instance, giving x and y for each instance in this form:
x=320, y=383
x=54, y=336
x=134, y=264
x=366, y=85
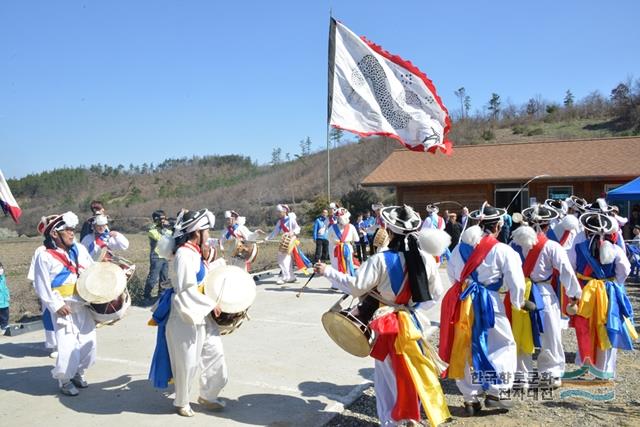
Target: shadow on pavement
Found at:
x=270, y=409
x=29, y=349
x=114, y=396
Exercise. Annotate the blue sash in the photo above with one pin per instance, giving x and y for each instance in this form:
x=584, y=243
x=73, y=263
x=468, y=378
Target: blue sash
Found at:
x=160, y=372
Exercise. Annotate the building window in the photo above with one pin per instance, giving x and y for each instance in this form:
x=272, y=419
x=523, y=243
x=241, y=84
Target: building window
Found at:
x=559, y=192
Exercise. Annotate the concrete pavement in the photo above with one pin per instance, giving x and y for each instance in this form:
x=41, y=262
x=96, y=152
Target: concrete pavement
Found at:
x=283, y=371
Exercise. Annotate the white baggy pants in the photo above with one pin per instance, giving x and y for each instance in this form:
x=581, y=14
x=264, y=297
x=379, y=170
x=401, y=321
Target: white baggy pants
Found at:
x=193, y=347
x=551, y=358
x=285, y=262
x=76, y=338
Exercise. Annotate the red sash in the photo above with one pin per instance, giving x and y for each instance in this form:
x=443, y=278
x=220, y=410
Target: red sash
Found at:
x=450, y=306
x=283, y=226
x=64, y=260
x=527, y=269
x=565, y=237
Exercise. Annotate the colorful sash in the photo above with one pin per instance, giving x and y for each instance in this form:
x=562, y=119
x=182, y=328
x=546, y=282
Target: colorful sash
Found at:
x=231, y=232
x=605, y=315
x=343, y=252
x=464, y=322
x=399, y=338
x=60, y=283
x=302, y=262
x=527, y=326
x=100, y=241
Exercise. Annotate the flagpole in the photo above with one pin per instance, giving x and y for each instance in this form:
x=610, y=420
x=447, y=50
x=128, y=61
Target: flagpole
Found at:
x=328, y=167
x=330, y=98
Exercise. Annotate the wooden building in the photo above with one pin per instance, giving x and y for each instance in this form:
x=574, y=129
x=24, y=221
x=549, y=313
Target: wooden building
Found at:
x=495, y=172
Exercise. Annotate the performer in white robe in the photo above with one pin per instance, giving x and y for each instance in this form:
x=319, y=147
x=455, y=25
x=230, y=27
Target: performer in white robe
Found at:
x=565, y=227
x=236, y=231
x=551, y=259
x=286, y=224
x=193, y=337
x=375, y=225
x=404, y=275
x=602, y=268
x=432, y=219
x=102, y=237
x=492, y=349
x=342, y=235
x=56, y=272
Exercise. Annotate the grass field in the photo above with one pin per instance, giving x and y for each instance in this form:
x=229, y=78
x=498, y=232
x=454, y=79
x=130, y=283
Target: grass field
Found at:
x=16, y=253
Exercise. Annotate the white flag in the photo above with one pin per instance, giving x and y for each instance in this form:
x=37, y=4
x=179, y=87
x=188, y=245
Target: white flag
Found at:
x=7, y=203
x=372, y=92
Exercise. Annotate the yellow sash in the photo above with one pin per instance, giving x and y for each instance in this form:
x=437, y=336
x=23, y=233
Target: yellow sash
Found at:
x=422, y=369
x=521, y=324
x=67, y=290
x=461, y=347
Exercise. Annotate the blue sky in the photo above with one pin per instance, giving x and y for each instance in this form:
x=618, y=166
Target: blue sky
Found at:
x=114, y=82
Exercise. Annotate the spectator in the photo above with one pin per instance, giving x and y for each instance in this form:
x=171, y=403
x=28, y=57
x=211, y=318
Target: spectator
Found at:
x=320, y=237
x=97, y=208
x=4, y=301
x=361, y=246
x=454, y=229
x=445, y=216
x=464, y=217
x=158, y=266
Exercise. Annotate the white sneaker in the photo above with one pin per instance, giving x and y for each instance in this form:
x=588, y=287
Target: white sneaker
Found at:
x=68, y=389
x=79, y=381
x=294, y=280
x=280, y=282
x=54, y=354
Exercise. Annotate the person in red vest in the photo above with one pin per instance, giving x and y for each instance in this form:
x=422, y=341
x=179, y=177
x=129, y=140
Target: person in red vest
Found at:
x=547, y=268
x=603, y=323
x=475, y=335
x=56, y=271
x=406, y=278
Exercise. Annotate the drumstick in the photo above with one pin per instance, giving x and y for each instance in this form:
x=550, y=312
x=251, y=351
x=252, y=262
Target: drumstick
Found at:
x=305, y=285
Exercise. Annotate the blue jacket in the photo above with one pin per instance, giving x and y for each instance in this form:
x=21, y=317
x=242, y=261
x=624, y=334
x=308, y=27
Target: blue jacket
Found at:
x=319, y=223
x=4, y=293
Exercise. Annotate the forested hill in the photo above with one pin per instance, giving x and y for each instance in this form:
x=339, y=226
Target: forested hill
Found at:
x=237, y=182
x=215, y=182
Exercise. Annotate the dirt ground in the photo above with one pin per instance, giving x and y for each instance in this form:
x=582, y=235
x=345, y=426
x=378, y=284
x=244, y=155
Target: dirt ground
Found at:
x=16, y=253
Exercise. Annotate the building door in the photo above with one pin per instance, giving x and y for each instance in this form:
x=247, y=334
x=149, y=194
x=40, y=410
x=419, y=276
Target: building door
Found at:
x=504, y=194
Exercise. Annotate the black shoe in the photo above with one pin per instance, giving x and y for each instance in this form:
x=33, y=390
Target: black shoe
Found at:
x=472, y=409
x=496, y=402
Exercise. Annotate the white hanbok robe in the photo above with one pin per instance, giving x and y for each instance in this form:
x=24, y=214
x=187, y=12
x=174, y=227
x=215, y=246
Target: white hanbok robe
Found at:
x=285, y=261
x=551, y=359
x=501, y=263
x=372, y=274
x=115, y=242
x=241, y=232
x=193, y=338
x=75, y=333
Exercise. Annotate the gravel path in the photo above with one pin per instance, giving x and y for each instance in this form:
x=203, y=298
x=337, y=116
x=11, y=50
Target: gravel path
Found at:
x=622, y=410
